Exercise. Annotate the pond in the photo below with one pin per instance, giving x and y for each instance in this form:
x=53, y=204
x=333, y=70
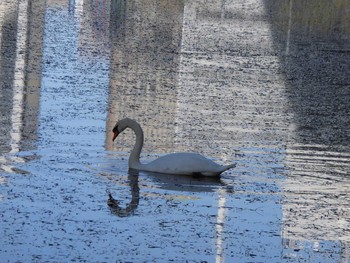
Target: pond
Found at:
x=260, y=83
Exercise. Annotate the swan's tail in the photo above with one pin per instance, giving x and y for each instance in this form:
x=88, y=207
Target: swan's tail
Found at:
x=226, y=167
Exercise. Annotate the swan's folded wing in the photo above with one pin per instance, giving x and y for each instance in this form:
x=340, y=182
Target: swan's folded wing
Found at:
x=184, y=163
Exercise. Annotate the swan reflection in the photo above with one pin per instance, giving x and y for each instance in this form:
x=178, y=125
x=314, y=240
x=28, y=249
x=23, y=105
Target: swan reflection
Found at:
x=129, y=209
x=179, y=183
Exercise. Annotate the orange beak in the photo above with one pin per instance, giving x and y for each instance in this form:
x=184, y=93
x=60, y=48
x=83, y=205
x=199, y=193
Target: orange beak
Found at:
x=115, y=134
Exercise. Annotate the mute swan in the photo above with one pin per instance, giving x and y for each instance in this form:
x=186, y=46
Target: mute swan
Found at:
x=175, y=163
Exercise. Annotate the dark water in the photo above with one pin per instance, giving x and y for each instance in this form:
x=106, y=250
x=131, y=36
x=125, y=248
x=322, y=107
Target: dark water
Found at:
x=265, y=84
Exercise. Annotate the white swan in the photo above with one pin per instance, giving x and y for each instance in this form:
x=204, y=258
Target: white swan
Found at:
x=175, y=163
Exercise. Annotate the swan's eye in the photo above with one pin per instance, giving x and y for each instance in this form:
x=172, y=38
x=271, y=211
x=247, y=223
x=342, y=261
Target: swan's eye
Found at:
x=115, y=129
x=115, y=132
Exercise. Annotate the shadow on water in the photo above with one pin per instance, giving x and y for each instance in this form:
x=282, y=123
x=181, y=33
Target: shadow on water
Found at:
x=312, y=42
x=7, y=71
x=311, y=39
x=20, y=76
x=145, y=41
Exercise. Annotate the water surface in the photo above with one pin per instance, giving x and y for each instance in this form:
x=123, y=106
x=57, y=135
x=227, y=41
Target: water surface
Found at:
x=259, y=83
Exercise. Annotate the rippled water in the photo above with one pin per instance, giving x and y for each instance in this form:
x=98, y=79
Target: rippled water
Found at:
x=264, y=84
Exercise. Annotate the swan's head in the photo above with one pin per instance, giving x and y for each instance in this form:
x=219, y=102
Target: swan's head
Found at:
x=120, y=127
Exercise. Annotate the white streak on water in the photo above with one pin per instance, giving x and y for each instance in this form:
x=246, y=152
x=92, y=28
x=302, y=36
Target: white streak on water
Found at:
x=289, y=26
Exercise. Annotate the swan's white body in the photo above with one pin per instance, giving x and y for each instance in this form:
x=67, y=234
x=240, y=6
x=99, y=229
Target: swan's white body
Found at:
x=175, y=163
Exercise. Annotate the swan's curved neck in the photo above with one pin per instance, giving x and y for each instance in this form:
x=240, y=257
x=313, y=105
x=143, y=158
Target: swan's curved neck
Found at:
x=134, y=159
